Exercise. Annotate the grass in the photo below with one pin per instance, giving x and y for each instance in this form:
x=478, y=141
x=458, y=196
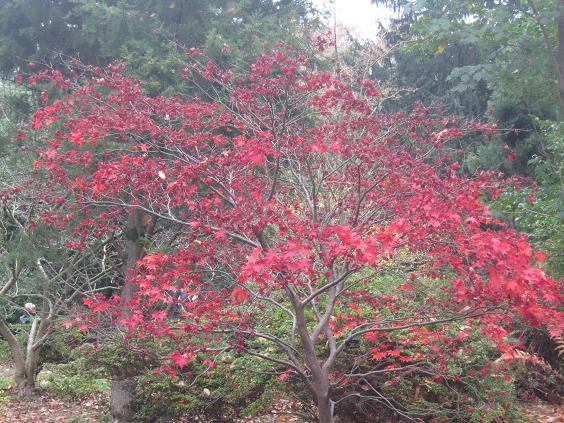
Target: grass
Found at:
x=6, y=382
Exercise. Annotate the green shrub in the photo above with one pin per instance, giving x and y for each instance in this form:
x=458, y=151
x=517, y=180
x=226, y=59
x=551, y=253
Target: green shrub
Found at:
x=5, y=353
x=5, y=384
x=120, y=359
x=238, y=387
x=459, y=380
x=76, y=379
x=65, y=345
x=67, y=368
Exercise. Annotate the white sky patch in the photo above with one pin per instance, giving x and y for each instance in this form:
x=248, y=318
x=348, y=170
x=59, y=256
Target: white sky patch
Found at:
x=360, y=17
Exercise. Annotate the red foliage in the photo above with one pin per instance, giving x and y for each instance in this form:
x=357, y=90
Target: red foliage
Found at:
x=282, y=192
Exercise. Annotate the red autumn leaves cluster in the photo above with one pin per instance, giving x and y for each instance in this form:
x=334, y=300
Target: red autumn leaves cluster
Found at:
x=279, y=180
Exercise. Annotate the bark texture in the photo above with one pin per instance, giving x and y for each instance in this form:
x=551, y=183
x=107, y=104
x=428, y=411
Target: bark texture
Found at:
x=139, y=229
x=123, y=392
x=561, y=53
x=25, y=363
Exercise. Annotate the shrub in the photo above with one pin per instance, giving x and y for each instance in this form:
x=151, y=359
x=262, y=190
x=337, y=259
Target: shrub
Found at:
x=72, y=380
x=238, y=387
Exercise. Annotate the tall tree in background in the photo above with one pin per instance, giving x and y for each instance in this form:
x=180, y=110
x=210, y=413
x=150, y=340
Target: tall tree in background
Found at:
x=516, y=41
x=149, y=35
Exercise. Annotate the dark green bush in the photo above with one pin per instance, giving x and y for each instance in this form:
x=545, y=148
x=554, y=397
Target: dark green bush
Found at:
x=238, y=387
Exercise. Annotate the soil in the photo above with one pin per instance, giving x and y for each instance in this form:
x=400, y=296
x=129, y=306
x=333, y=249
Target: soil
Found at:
x=47, y=408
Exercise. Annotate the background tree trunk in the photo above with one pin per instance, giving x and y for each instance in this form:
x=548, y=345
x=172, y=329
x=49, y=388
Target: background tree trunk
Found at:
x=139, y=229
x=123, y=393
x=25, y=364
x=561, y=53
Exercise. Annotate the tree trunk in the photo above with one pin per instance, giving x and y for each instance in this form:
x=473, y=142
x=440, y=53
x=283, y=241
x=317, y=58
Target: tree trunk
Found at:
x=25, y=374
x=319, y=386
x=325, y=409
x=25, y=384
x=139, y=228
x=123, y=394
x=560, y=6
x=25, y=364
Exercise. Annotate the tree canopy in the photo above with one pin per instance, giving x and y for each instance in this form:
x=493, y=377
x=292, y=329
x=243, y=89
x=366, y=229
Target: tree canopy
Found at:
x=288, y=192
x=214, y=205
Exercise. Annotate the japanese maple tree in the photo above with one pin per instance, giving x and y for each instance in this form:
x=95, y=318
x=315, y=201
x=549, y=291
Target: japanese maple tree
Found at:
x=283, y=188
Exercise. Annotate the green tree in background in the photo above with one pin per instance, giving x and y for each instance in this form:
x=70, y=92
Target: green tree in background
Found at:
x=509, y=56
x=149, y=35
x=517, y=43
